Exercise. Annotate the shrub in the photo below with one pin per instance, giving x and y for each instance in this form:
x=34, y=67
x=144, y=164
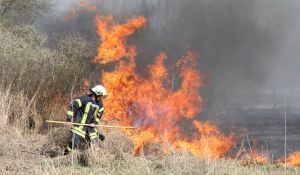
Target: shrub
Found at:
x=37, y=80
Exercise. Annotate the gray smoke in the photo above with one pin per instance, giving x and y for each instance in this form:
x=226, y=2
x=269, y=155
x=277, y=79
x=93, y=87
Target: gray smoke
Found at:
x=248, y=49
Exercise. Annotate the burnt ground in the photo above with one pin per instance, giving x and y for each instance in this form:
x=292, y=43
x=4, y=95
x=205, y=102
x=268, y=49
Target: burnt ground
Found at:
x=265, y=128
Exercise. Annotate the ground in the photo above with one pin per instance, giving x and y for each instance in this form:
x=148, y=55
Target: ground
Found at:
x=34, y=153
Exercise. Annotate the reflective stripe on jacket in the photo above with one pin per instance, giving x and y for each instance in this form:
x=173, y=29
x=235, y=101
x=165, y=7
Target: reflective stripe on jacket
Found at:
x=86, y=111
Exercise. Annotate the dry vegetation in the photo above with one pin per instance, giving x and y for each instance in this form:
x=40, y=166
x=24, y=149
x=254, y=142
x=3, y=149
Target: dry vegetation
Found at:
x=33, y=75
x=36, y=83
x=31, y=154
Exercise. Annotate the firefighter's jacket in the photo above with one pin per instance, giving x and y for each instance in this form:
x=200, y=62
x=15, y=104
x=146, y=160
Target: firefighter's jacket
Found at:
x=86, y=111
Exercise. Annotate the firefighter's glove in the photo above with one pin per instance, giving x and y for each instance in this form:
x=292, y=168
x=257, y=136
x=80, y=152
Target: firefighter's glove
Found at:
x=69, y=124
x=102, y=137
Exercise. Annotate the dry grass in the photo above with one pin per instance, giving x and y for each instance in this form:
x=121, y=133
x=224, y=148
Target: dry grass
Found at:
x=36, y=80
x=5, y=104
x=29, y=154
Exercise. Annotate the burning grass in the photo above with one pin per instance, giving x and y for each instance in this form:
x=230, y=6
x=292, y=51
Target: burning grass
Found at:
x=293, y=159
x=29, y=154
x=151, y=102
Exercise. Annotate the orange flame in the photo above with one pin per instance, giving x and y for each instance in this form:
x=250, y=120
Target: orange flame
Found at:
x=160, y=107
x=87, y=6
x=293, y=159
x=113, y=38
x=207, y=142
x=71, y=15
x=260, y=158
x=84, y=5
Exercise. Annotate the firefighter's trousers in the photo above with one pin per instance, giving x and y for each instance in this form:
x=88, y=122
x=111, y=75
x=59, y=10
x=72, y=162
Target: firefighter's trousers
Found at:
x=78, y=135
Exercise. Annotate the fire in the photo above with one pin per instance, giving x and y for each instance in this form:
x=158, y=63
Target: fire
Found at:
x=207, y=142
x=71, y=15
x=83, y=5
x=293, y=159
x=142, y=138
x=260, y=158
x=87, y=6
x=161, y=102
x=113, y=38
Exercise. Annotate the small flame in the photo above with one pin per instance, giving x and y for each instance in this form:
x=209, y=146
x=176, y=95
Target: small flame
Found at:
x=87, y=6
x=293, y=159
x=260, y=158
x=71, y=15
x=83, y=5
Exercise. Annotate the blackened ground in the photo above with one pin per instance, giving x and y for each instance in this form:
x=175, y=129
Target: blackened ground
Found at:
x=265, y=128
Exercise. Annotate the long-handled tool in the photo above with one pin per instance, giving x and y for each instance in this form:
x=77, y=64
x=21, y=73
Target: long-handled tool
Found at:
x=80, y=124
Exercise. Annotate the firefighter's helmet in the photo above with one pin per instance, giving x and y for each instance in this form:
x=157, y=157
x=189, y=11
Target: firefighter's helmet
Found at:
x=99, y=90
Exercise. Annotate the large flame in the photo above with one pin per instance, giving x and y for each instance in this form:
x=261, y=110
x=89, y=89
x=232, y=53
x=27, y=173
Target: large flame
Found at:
x=160, y=103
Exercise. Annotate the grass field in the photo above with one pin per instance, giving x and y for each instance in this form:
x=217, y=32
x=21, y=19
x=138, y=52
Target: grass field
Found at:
x=31, y=154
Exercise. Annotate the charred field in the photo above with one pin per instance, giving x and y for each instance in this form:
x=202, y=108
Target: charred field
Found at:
x=265, y=128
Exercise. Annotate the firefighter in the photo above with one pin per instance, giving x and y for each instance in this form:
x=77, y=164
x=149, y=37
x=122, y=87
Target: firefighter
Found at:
x=86, y=110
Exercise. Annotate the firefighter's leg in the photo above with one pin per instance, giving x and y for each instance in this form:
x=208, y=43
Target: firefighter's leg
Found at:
x=78, y=133
x=73, y=143
x=93, y=134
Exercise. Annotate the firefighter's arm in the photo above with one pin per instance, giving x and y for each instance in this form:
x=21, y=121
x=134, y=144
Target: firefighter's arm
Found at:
x=98, y=115
x=73, y=108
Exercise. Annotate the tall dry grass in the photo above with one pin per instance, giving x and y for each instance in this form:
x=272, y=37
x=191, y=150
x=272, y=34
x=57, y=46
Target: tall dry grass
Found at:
x=5, y=105
x=113, y=156
x=16, y=110
x=36, y=81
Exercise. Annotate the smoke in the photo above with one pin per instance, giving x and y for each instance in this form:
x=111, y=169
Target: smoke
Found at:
x=248, y=49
